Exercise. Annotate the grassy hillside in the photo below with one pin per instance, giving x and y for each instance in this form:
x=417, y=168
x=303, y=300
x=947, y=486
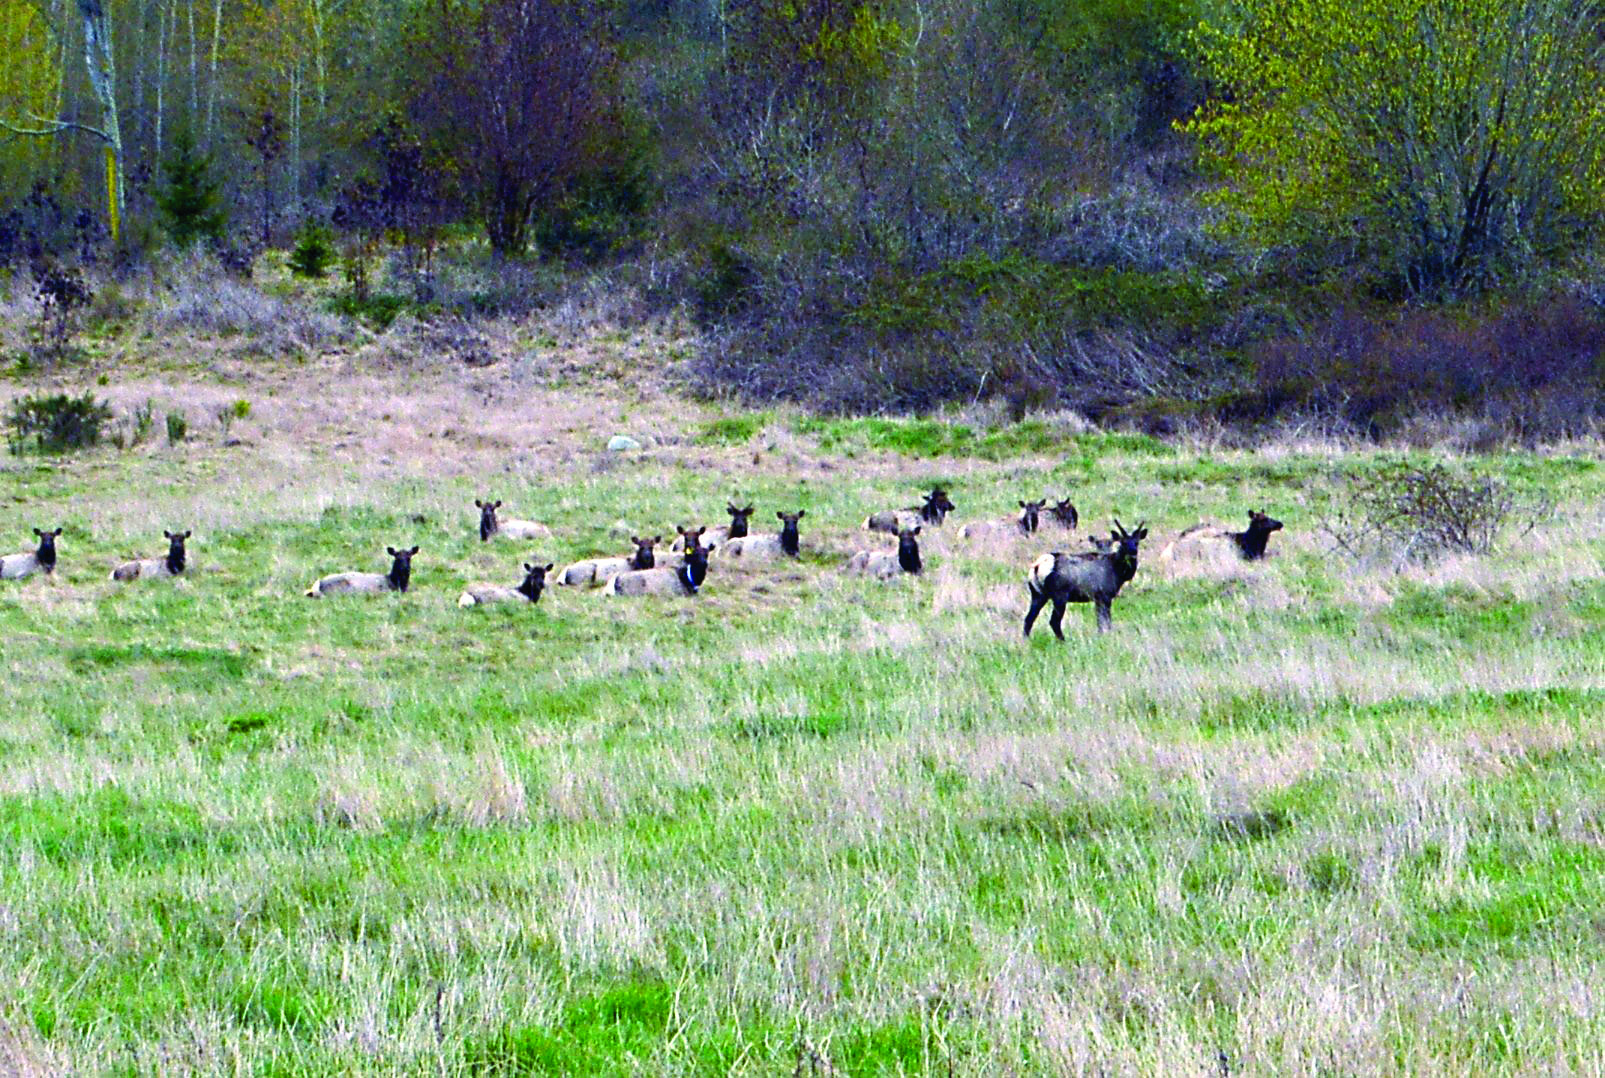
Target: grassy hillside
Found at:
x=1303, y=816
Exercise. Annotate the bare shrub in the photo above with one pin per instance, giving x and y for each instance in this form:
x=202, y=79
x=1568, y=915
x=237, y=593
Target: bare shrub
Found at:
x=1135, y=226
x=1531, y=369
x=200, y=298
x=1421, y=513
x=63, y=293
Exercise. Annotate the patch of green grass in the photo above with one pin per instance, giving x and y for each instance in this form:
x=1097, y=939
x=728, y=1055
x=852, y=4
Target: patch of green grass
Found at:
x=804, y=816
x=1521, y=898
x=733, y=430
x=930, y=438
x=597, y=1034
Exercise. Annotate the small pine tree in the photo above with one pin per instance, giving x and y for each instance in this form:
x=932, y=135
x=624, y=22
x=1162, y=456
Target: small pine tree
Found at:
x=314, y=252
x=189, y=200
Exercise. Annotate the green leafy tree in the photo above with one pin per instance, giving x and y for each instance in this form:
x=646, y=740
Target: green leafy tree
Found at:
x=188, y=198
x=1446, y=142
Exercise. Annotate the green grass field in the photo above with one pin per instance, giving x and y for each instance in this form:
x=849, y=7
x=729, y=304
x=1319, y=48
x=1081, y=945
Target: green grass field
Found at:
x=1307, y=816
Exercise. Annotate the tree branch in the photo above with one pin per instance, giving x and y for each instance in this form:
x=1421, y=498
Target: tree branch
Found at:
x=54, y=127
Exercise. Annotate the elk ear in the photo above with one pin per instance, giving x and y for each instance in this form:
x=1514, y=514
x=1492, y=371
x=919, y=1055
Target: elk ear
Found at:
x=392, y=551
x=189, y=533
x=747, y=512
x=167, y=534
x=497, y=504
x=699, y=531
x=528, y=568
x=548, y=568
x=731, y=509
x=916, y=529
x=411, y=552
x=801, y=513
x=478, y=504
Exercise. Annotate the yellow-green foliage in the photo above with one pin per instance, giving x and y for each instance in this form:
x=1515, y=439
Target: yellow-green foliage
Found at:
x=28, y=85
x=1448, y=139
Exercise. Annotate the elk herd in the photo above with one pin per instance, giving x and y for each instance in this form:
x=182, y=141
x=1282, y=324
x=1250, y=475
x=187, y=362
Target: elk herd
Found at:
x=1060, y=576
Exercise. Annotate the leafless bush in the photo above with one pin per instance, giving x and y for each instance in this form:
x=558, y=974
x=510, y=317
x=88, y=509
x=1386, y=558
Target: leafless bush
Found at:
x=200, y=298
x=63, y=293
x=1421, y=513
x=1530, y=369
x=1135, y=226
x=459, y=339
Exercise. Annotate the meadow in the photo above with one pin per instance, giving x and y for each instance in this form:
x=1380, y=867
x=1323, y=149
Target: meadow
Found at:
x=1315, y=815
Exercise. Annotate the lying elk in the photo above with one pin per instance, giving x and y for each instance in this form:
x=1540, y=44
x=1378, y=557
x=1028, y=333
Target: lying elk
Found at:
x=720, y=534
x=893, y=521
x=529, y=591
x=1024, y=524
x=1249, y=544
x=42, y=560
x=1064, y=514
x=685, y=579
x=788, y=542
x=397, y=579
x=172, y=565
x=490, y=524
x=601, y=570
x=1062, y=578
x=883, y=564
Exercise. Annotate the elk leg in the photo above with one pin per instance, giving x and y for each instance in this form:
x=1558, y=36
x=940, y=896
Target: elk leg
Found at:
x=1038, y=601
x=1104, y=620
x=1057, y=616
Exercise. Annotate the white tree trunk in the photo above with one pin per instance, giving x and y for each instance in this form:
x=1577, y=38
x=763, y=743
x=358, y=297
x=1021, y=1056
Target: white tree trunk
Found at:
x=161, y=75
x=319, y=59
x=101, y=66
x=295, y=141
x=211, y=84
x=194, y=81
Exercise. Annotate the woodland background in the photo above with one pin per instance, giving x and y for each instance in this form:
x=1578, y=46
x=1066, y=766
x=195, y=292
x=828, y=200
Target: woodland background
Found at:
x=1160, y=213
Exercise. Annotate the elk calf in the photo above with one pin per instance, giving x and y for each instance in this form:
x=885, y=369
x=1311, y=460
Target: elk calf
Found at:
x=1062, y=578
x=397, y=579
x=172, y=565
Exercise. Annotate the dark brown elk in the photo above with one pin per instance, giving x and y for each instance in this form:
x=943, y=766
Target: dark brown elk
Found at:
x=42, y=560
x=595, y=571
x=1096, y=578
x=894, y=521
x=172, y=565
x=528, y=591
x=399, y=577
